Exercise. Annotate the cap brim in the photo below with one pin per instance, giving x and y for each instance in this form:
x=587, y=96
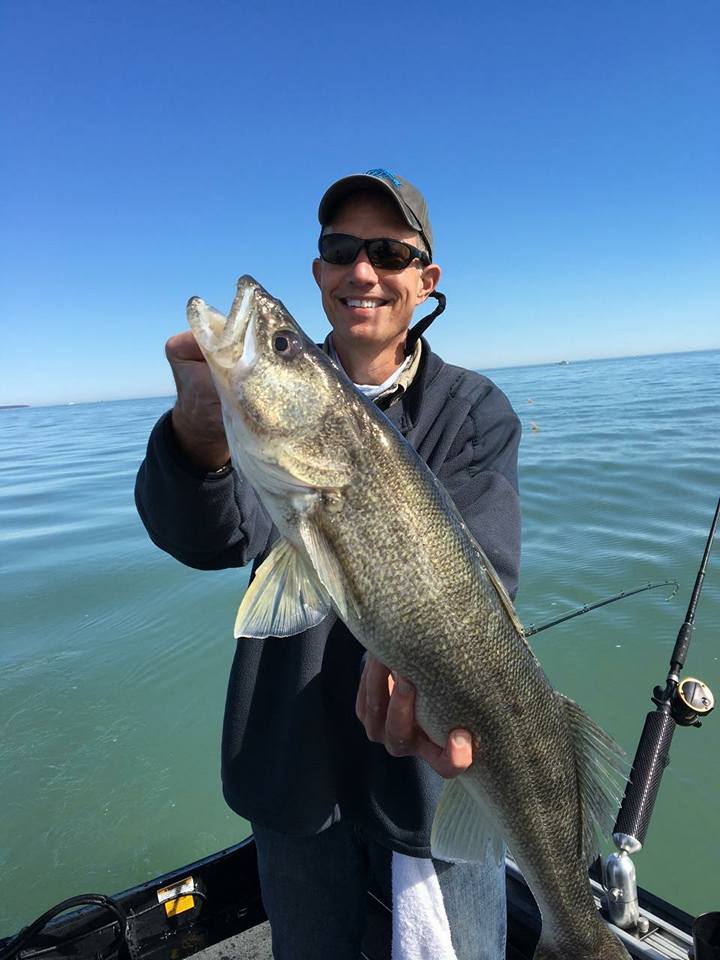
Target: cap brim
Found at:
x=361, y=181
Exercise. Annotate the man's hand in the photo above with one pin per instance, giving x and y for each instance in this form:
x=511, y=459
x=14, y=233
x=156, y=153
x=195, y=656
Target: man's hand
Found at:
x=387, y=711
x=196, y=416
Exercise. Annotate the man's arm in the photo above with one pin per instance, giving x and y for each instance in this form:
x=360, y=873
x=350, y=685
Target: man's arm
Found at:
x=192, y=504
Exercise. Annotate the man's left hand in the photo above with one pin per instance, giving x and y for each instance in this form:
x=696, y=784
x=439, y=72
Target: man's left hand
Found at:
x=387, y=711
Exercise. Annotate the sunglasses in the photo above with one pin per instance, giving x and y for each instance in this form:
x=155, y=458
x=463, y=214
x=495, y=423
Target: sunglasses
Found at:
x=341, y=249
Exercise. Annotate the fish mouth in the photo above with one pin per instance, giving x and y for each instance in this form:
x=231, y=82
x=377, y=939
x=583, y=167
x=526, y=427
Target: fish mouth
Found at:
x=227, y=341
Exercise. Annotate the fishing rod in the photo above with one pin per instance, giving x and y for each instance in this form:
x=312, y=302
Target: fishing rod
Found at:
x=587, y=607
x=679, y=703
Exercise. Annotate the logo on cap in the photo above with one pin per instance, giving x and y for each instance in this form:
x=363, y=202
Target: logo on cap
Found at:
x=384, y=175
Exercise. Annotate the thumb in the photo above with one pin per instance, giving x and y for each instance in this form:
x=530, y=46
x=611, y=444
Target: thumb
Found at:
x=183, y=347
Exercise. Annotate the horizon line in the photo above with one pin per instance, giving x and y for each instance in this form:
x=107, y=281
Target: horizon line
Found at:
x=510, y=366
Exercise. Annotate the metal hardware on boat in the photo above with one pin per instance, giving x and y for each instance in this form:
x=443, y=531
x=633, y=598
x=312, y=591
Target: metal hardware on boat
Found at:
x=621, y=890
x=627, y=843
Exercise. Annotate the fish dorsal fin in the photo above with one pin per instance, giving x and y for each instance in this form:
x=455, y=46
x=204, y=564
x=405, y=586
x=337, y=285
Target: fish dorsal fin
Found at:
x=327, y=569
x=462, y=828
x=497, y=583
x=284, y=598
x=601, y=775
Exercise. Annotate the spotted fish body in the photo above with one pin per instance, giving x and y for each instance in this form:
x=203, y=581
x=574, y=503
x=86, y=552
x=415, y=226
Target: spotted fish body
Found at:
x=369, y=533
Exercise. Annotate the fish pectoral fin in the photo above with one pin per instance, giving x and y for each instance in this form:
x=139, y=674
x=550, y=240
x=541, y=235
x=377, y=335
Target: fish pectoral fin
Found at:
x=601, y=775
x=462, y=828
x=327, y=569
x=283, y=599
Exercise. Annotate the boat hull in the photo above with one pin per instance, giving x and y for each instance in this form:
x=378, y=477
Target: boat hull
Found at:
x=188, y=910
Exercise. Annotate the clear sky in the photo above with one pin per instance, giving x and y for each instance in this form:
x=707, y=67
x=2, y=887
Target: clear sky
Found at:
x=157, y=149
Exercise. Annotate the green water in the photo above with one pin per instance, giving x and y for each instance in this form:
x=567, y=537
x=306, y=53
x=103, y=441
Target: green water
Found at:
x=114, y=658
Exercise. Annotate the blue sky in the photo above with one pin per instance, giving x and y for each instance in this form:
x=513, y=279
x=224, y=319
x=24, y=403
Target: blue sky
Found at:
x=568, y=150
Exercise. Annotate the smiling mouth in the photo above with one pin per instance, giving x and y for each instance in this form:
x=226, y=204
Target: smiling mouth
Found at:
x=363, y=303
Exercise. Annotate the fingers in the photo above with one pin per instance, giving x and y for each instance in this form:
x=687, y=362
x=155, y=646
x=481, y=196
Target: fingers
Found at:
x=459, y=751
x=387, y=711
x=452, y=759
x=373, y=698
x=183, y=346
x=197, y=415
x=401, y=733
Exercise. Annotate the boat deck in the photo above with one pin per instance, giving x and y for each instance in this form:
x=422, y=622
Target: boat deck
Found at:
x=254, y=944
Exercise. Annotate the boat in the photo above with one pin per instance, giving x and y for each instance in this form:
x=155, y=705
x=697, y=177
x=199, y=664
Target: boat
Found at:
x=214, y=905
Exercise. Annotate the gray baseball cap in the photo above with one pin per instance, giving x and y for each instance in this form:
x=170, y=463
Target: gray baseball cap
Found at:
x=409, y=200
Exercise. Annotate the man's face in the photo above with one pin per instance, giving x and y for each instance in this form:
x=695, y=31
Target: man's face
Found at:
x=365, y=304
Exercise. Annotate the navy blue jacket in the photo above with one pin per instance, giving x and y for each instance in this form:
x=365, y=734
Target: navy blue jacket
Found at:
x=294, y=756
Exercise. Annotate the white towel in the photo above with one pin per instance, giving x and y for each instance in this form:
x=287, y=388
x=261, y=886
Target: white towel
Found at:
x=420, y=925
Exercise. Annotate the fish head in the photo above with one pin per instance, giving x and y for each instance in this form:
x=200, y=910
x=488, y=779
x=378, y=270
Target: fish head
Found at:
x=279, y=391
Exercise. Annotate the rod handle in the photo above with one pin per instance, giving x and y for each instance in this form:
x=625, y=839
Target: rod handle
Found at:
x=679, y=654
x=651, y=758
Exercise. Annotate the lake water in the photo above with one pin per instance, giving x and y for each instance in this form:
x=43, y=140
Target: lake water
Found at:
x=114, y=658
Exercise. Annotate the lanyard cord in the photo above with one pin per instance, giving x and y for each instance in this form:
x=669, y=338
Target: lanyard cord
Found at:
x=414, y=333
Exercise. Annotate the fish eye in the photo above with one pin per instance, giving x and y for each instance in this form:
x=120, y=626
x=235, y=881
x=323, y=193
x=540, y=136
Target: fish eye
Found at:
x=286, y=343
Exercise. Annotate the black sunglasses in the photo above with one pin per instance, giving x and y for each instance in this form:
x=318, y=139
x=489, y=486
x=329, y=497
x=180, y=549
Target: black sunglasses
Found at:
x=341, y=249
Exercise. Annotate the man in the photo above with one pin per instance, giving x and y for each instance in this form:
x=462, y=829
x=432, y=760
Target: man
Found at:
x=338, y=805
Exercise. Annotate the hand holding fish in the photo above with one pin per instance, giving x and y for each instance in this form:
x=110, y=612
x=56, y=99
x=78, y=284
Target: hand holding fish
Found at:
x=387, y=711
x=196, y=417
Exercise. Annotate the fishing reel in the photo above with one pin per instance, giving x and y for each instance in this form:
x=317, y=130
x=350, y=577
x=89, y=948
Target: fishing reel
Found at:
x=680, y=703
x=691, y=701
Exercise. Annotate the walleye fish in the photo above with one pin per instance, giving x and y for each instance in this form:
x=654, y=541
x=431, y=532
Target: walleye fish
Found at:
x=368, y=532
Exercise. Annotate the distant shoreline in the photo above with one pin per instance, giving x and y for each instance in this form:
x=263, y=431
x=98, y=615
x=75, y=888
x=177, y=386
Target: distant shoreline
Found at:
x=13, y=406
